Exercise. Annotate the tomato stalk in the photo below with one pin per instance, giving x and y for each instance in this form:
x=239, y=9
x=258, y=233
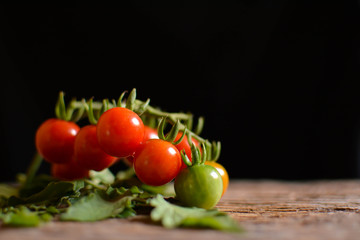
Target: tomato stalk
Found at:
x=33, y=168
x=171, y=136
x=93, y=110
x=80, y=111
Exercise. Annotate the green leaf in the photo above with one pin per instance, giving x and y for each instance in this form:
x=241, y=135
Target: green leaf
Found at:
x=52, y=192
x=219, y=222
x=37, y=184
x=171, y=216
x=3, y=202
x=128, y=212
x=7, y=191
x=105, y=176
x=166, y=190
x=23, y=217
x=52, y=210
x=56, y=190
x=114, y=194
x=125, y=174
x=93, y=208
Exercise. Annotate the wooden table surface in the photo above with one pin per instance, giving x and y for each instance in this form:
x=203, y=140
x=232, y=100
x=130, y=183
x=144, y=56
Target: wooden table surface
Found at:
x=265, y=209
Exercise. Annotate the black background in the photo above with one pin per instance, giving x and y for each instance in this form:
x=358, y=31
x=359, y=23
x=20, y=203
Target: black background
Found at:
x=275, y=80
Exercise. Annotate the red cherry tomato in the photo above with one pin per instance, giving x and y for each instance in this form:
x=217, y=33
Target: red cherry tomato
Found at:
x=120, y=131
x=184, y=144
x=88, y=152
x=69, y=171
x=157, y=162
x=55, y=139
x=149, y=133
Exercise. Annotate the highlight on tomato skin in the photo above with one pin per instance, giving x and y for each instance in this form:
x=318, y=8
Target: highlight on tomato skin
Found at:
x=54, y=140
x=150, y=133
x=223, y=173
x=157, y=162
x=120, y=131
x=88, y=152
x=69, y=171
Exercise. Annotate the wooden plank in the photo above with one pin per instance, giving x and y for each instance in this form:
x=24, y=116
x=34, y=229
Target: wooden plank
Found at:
x=266, y=210
x=295, y=210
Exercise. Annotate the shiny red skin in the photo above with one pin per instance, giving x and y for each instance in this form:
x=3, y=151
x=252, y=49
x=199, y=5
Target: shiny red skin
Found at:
x=120, y=131
x=149, y=133
x=69, y=171
x=157, y=162
x=54, y=140
x=88, y=152
x=184, y=144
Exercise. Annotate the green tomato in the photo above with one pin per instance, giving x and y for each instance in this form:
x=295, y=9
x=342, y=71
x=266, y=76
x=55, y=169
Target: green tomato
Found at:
x=199, y=186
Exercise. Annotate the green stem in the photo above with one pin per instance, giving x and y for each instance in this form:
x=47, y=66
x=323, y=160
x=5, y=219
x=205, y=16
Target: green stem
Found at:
x=180, y=121
x=158, y=113
x=183, y=121
x=149, y=110
x=154, y=112
x=33, y=168
x=172, y=118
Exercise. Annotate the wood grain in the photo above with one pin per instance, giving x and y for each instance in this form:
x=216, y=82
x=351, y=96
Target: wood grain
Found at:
x=266, y=210
x=296, y=210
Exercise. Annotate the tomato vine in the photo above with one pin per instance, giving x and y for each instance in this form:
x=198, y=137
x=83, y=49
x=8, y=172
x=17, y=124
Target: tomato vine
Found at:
x=79, y=109
x=161, y=149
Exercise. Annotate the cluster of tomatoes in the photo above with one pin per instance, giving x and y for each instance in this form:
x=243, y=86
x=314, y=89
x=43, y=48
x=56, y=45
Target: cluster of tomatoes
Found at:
x=119, y=134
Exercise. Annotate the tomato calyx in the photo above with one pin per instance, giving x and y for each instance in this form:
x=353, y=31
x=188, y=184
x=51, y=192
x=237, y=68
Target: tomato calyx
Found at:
x=172, y=134
x=74, y=112
x=198, y=157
